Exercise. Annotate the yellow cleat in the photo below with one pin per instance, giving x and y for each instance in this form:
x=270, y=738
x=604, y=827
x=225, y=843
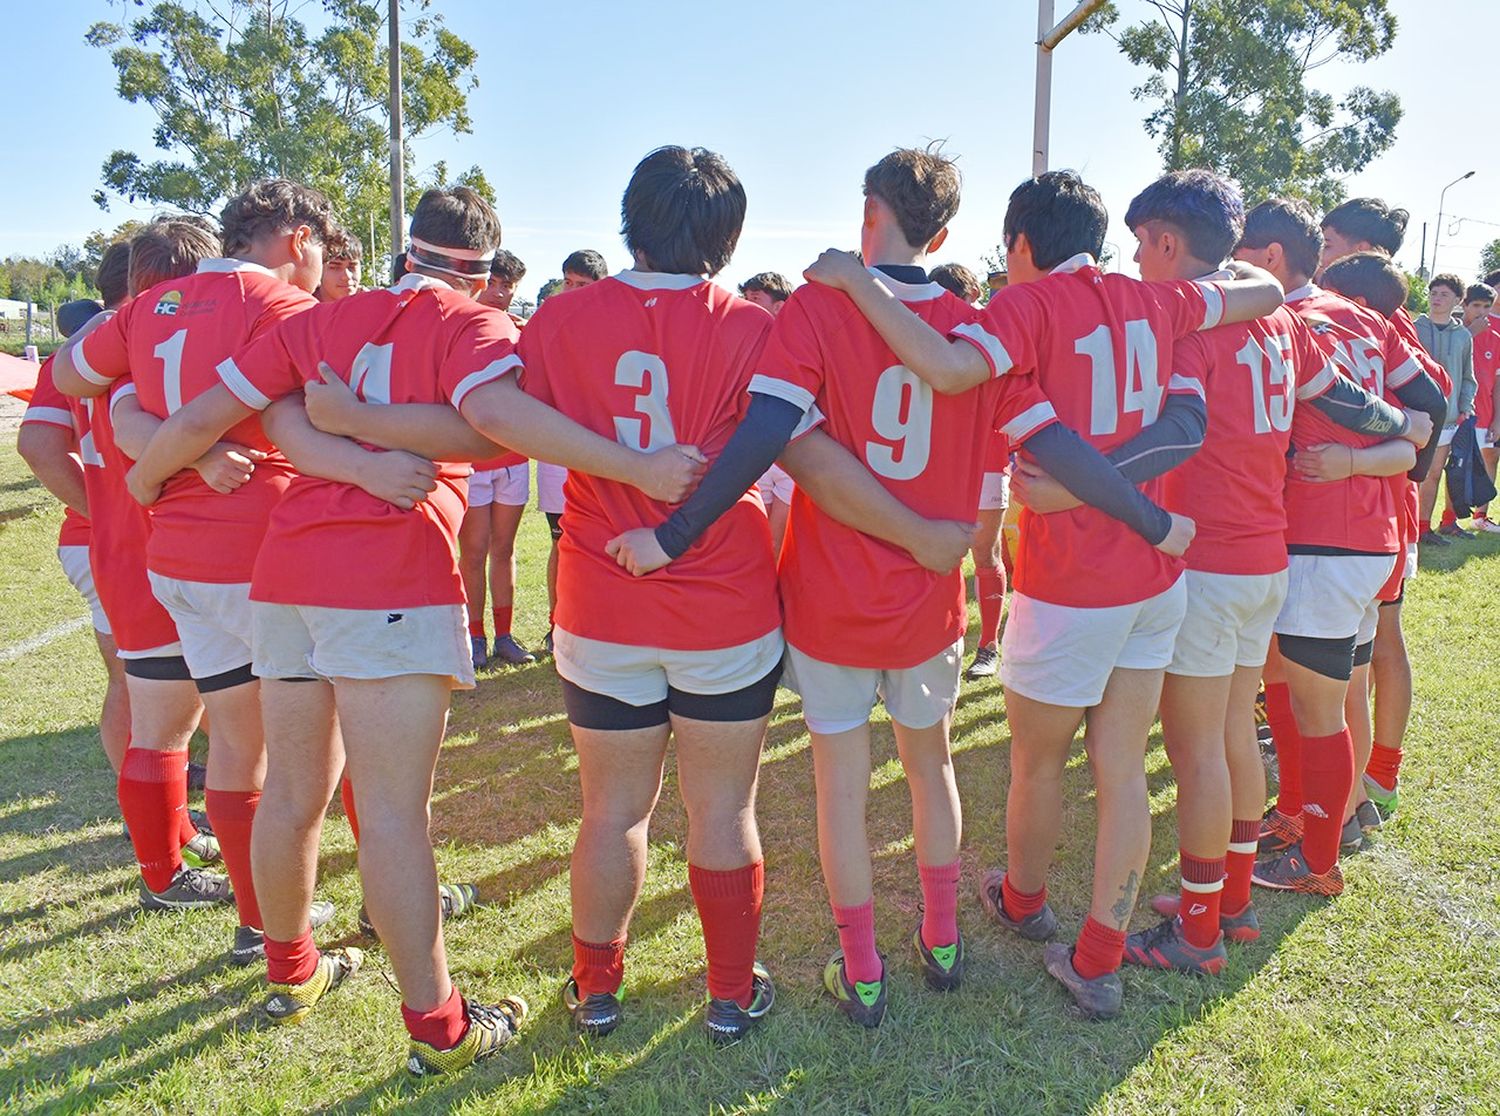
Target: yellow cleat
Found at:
x=290, y=1003
x=491, y=1026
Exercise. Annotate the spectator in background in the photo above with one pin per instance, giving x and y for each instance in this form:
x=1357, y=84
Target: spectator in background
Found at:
x=959, y=280
x=769, y=290
x=1484, y=325
x=1452, y=346
x=583, y=267
x=341, y=266
x=506, y=273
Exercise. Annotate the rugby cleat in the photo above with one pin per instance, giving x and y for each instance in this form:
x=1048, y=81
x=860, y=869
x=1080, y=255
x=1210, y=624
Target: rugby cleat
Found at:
x=942, y=966
x=596, y=1014
x=202, y=851
x=1037, y=927
x=1164, y=947
x=726, y=1021
x=1352, y=836
x=862, y=1001
x=1278, y=832
x=189, y=890
x=1242, y=927
x=1289, y=872
x=511, y=653
x=1385, y=800
x=1368, y=816
x=454, y=901
x=986, y=664
x=479, y=652
x=491, y=1026
x=290, y=1003
x=250, y=943
x=1100, y=998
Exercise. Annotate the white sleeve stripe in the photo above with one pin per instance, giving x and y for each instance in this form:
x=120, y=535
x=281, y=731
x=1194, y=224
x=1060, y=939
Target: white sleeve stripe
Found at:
x=52, y=416
x=809, y=421
x=795, y=394
x=491, y=372
x=1187, y=383
x=82, y=367
x=114, y=400
x=1028, y=422
x=1319, y=384
x=987, y=343
x=1213, y=296
x=243, y=390
x=1405, y=374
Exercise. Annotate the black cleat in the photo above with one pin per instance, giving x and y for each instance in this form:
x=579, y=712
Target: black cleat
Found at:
x=250, y=943
x=1100, y=998
x=189, y=890
x=596, y=1014
x=511, y=653
x=986, y=664
x=727, y=1022
x=1036, y=927
x=942, y=966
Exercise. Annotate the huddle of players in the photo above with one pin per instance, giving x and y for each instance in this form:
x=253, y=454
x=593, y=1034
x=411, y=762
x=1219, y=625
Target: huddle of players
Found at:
x=305, y=465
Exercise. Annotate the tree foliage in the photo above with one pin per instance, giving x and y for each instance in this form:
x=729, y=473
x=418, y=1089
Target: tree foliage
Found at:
x=244, y=89
x=1489, y=257
x=1228, y=87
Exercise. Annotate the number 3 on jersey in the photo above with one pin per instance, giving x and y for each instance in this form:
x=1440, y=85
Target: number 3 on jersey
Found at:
x=902, y=415
x=647, y=374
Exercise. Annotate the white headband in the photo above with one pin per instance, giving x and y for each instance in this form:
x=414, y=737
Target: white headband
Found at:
x=452, y=253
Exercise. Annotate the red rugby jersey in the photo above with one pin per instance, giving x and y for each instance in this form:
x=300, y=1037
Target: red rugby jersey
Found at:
x=334, y=544
x=1486, y=362
x=171, y=340
x=1101, y=348
x=51, y=407
x=649, y=359
x=849, y=598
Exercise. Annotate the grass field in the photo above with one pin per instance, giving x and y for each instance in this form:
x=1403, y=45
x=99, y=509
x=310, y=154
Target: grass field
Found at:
x=1387, y=1000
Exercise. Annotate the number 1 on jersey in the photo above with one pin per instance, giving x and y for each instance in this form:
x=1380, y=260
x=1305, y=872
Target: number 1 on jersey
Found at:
x=170, y=354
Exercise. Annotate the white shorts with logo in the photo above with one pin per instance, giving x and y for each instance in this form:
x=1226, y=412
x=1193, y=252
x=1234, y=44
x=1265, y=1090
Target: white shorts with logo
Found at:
x=1228, y=622
x=994, y=492
x=509, y=485
x=642, y=675
x=838, y=698
x=1447, y=434
x=776, y=485
x=1332, y=596
x=75, y=565
x=309, y=641
x=1483, y=434
x=549, y=488
x=1063, y=655
x=212, y=621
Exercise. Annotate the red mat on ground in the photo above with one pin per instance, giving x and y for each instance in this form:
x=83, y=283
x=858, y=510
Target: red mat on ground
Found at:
x=17, y=376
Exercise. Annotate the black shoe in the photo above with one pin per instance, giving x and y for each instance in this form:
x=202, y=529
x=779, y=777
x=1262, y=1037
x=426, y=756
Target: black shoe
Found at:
x=597, y=1014
x=454, y=901
x=547, y=643
x=727, y=1022
x=200, y=821
x=189, y=890
x=250, y=943
x=986, y=664
x=1432, y=538
x=197, y=776
x=478, y=653
x=942, y=966
x=511, y=653
x=1036, y=927
x=862, y=1001
x=1100, y=998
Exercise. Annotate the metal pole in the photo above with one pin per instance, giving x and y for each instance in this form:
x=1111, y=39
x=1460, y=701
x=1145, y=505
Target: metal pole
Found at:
x=1422, y=267
x=398, y=162
x=1437, y=233
x=1042, y=123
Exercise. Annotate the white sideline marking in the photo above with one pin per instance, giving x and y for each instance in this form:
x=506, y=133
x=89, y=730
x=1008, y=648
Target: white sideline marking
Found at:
x=41, y=639
x=1461, y=913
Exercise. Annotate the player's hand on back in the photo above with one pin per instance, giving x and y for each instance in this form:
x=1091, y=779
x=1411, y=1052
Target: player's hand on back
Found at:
x=227, y=466
x=1322, y=464
x=1180, y=537
x=942, y=544
x=671, y=474
x=142, y=493
x=331, y=405
x=1037, y=490
x=638, y=551
x=399, y=478
x=834, y=268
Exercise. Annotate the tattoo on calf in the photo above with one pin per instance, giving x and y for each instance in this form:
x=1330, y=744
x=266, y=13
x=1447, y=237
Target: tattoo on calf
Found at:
x=1126, y=903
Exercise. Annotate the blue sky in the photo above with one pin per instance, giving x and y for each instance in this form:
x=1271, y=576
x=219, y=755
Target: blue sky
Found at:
x=800, y=97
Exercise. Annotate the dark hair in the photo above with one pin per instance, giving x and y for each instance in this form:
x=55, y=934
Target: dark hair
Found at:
x=920, y=186
x=1290, y=223
x=683, y=211
x=456, y=217
x=73, y=316
x=398, y=267
x=275, y=205
x=955, y=277
x=113, y=276
x=168, y=248
x=343, y=245
x=1370, y=276
x=1492, y=280
x=1449, y=280
x=586, y=262
x=507, y=265
x=1060, y=216
x=1480, y=292
x=1205, y=207
x=1369, y=220
x=772, y=283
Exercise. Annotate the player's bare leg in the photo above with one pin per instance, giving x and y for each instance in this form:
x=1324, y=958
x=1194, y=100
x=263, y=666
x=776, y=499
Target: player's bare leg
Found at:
x=392, y=729
x=841, y=774
x=1361, y=729
x=1194, y=714
x=1390, y=675
x=505, y=523
x=473, y=552
x=1041, y=735
x=937, y=816
x=1427, y=491
x=989, y=588
x=114, y=715
x=236, y=771
x=1247, y=774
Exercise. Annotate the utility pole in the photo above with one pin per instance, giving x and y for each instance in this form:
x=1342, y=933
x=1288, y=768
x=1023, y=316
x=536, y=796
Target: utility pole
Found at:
x=398, y=162
x=1437, y=233
x=1047, y=38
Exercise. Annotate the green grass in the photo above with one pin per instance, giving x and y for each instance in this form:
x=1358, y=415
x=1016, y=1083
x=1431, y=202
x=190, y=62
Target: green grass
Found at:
x=1387, y=1000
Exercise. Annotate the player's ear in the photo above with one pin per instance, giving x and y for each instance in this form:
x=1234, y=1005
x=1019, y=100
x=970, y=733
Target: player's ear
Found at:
x=937, y=242
x=872, y=211
x=300, y=236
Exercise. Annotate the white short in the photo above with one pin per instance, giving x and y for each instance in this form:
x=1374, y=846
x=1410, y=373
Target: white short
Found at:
x=549, y=488
x=165, y=651
x=642, y=675
x=1446, y=435
x=1328, y=595
x=1064, y=656
x=839, y=698
x=302, y=641
x=1483, y=434
x=75, y=564
x=509, y=485
x=994, y=492
x=1228, y=622
x=1409, y=570
x=776, y=485
x=212, y=620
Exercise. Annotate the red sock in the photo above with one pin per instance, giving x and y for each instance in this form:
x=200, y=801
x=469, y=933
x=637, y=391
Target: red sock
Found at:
x=152, y=788
x=598, y=967
x=1384, y=766
x=476, y=626
x=729, y=908
x=1449, y=518
x=186, y=830
x=1288, y=748
x=939, y=904
x=1202, y=891
x=346, y=792
x=989, y=587
x=1328, y=774
x=1099, y=950
x=1243, y=837
x=291, y=962
x=856, y=927
x=232, y=813
x=443, y=1027
x=1018, y=904
x=504, y=617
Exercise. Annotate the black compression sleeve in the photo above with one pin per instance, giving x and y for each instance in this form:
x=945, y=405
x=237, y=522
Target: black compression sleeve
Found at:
x=1354, y=408
x=754, y=446
x=1088, y=475
x=1174, y=437
x=1423, y=393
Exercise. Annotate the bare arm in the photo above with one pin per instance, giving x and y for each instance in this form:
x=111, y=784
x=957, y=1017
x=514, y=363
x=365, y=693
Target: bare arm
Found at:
x=183, y=439
x=48, y=451
x=134, y=427
x=1335, y=462
x=224, y=466
x=1252, y=293
x=398, y=477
